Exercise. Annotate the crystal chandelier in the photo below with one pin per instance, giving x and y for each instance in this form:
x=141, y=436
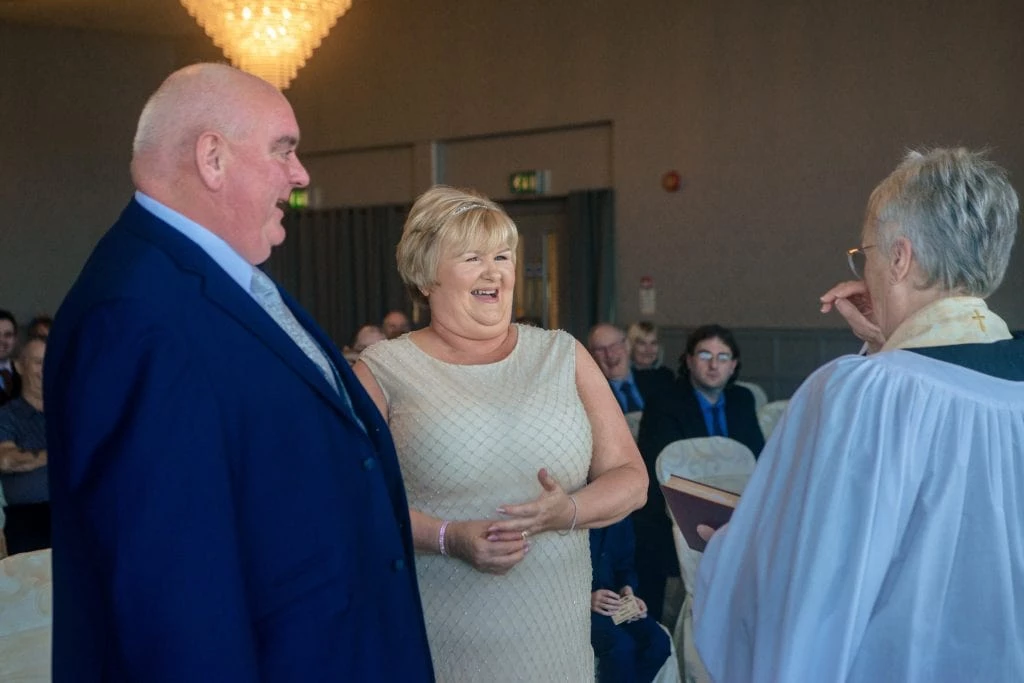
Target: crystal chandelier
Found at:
x=269, y=38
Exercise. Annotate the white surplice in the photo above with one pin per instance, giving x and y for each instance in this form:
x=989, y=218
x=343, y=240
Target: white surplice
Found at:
x=881, y=537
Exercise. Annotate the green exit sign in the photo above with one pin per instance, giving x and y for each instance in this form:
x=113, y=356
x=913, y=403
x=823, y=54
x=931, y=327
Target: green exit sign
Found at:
x=299, y=199
x=529, y=182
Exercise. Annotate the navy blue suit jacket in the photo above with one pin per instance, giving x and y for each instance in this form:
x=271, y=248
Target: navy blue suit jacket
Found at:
x=217, y=513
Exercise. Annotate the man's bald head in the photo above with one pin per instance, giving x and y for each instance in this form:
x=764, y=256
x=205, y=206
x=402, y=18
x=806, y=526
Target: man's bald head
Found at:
x=218, y=146
x=197, y=98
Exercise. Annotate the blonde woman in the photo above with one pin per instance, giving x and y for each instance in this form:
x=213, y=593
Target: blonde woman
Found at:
x=511, y=446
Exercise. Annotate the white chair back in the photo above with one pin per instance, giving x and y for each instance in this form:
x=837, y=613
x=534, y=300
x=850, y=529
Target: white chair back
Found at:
x=760, y=395
x=26, y=606
x=768, y=416
x=713, y=460
x=633, y=420
x=706, y=459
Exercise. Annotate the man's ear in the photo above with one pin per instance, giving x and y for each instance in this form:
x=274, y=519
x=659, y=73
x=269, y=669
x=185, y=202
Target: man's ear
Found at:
x=901, y=259
x=211, y=159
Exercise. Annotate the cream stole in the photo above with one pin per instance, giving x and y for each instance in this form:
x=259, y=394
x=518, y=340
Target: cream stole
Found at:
x=953, y=320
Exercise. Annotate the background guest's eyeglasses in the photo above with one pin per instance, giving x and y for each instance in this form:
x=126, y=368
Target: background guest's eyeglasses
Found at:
x=609, y=348
x=857, y=258
x=706, y=356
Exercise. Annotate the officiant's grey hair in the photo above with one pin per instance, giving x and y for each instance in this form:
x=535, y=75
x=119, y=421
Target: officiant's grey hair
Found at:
x=959, y=213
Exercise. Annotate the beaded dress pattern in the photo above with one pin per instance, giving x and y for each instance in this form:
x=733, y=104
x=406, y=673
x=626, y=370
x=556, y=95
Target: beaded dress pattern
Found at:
x=471, y=438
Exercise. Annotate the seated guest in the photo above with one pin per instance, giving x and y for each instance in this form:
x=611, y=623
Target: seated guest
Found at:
x=644, y=347
x=10, y=383
x=704, y=401
x=881, y=537
x=39, y=326
x=395, y=324
x=633, y=650
x=608, y=345
x=23, y=456
x=365, y=336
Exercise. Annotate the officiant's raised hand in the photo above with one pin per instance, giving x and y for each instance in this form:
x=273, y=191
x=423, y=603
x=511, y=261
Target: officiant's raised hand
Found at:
x=853, y=302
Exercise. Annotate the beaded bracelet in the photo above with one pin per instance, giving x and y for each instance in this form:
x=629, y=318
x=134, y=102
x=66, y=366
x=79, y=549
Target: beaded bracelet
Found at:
x=440, y=537
x=575, y=510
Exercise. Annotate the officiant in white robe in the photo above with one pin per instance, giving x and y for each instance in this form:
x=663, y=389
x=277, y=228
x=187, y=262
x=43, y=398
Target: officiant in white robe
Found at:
x=881, y=537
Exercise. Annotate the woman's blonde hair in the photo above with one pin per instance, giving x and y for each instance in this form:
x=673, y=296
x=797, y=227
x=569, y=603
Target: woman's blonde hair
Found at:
x=446, y=220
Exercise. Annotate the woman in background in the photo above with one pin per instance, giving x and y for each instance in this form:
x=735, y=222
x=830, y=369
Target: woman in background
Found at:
x=644, y=347
x=511, y=445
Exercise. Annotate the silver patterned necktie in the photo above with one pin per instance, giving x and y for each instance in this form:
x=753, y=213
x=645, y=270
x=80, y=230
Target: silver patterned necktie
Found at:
x=267, y=296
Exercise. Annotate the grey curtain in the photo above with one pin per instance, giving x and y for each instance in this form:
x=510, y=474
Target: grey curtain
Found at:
x=591, y=249
x=340, y=265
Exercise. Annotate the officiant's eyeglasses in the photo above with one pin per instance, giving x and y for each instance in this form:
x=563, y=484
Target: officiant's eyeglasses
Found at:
x=857, y=259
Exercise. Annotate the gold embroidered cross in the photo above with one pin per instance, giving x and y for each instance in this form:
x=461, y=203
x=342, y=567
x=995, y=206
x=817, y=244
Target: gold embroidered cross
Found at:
x=980, y=318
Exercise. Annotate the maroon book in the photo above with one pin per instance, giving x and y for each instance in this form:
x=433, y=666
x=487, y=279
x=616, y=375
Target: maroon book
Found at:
x=693, y=503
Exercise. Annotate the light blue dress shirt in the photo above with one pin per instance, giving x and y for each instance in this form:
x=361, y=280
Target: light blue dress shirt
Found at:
x=220, y=251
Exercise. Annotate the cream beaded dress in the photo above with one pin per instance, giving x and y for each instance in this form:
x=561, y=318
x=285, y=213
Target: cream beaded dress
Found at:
x=471, y=438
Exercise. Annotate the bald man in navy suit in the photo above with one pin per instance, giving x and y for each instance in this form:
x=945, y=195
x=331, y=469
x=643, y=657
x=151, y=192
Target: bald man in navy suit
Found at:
x=227, y=504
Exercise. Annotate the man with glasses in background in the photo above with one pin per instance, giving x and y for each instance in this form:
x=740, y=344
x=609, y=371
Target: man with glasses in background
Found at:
x=703, y=401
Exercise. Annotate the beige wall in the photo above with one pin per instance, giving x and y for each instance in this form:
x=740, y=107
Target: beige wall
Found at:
x=578, y=158
x=780, y=116
x=69, y=101
x=66, y=100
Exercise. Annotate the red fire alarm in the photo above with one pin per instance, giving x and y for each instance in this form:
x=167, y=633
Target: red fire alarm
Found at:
x=671, y=182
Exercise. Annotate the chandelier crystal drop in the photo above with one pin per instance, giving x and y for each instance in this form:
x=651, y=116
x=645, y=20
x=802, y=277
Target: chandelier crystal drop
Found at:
x=271, y=39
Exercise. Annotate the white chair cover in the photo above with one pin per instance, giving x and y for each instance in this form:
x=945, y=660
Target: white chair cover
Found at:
x=669, y=672
x=26, y=613
x=713, y=460
x=768, y=416
x=760, y=395
x=633, y=420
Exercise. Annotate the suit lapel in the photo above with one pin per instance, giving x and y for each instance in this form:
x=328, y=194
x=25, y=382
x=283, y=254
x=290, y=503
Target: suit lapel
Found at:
x=226, y=294
x=238, y=304
x=691, y=414
x=364, y=407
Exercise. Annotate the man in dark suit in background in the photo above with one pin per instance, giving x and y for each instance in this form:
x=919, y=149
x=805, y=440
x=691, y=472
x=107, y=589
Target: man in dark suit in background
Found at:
x=703, y=401
x=227, y=504
x=10, y=383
